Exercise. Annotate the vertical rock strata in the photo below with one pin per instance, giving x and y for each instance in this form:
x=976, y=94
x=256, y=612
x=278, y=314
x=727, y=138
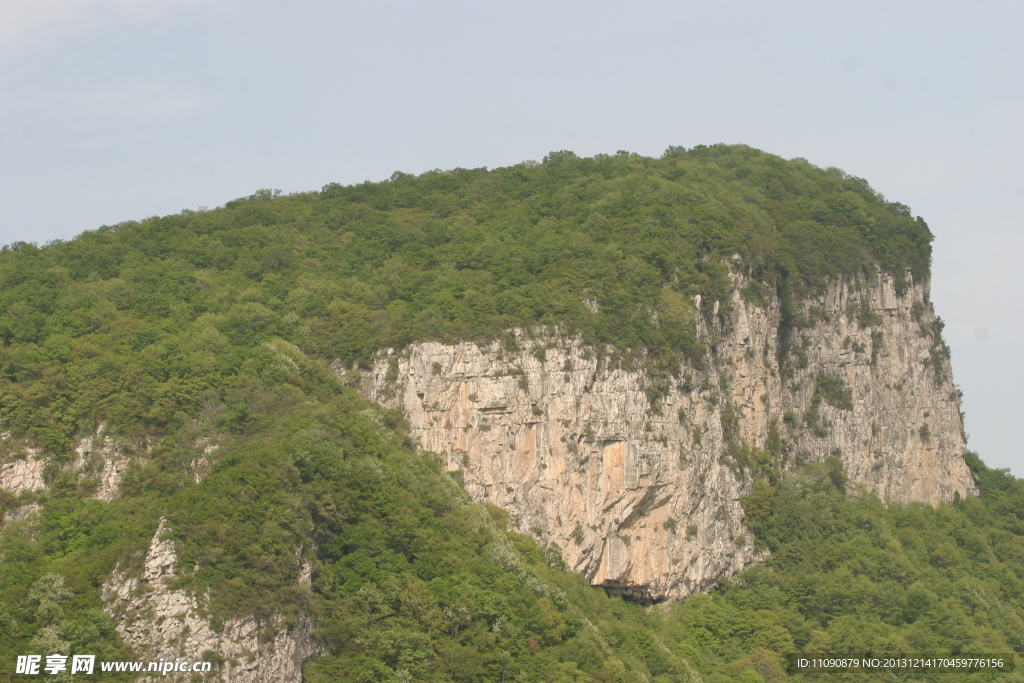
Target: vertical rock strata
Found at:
x=644, y=497
x=99, y=464
x=156, y=620
x=162, y=623
x=99, y=460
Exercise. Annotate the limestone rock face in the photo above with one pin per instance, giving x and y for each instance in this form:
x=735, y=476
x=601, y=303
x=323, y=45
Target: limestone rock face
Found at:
x=159, y=622
x=100, y=461
x=643, y=495
x=104, y=460
x=98, y=458
x=23, y=474
x=21, y=513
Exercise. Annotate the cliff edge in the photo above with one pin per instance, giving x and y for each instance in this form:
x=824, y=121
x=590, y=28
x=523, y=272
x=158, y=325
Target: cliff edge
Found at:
x=639, y=480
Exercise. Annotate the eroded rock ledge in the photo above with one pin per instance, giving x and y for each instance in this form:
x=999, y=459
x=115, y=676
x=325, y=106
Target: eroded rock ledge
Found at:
x=100, y=461
x=160, y=622
x=641, y=497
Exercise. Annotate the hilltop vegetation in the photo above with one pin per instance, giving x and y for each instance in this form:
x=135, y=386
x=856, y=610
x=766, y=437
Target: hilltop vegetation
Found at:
x=152, y=314
x=218, y=327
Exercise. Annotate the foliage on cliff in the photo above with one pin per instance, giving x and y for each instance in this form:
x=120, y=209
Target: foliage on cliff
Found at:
x=215, y=327
x=613, y=247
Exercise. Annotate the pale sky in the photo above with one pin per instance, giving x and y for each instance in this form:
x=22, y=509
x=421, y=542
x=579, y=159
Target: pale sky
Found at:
x=121, y=110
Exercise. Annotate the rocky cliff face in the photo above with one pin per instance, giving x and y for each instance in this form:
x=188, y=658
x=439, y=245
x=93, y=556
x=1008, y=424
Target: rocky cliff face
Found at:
x=99, y=462
x=643, y=494
x=154, y=619
x=160, y=622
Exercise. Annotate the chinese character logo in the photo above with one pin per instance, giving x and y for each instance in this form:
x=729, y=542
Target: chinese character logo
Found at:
x=28, y=664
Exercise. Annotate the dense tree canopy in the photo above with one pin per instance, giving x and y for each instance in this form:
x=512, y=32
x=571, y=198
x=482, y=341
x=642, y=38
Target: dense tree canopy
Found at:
x=217, y=327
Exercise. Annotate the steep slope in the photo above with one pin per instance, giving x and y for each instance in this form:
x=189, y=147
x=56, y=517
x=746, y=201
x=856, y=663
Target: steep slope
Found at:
x=643, y=495
x=168, y=624
x=176, y=450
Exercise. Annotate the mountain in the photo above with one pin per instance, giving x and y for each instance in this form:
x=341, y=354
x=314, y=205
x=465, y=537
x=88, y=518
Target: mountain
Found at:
x=470, y=425
x=639, y=479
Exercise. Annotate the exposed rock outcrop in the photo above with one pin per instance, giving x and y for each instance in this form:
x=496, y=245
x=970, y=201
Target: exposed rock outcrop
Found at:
x=24, y=473
x=103, y=460
x=98, y=458
x=100, y=462
x=21, y=513
x=644, y=497
x=159, y=622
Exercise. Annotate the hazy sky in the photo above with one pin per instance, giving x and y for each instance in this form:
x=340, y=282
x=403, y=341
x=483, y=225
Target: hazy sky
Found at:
x=120, y=110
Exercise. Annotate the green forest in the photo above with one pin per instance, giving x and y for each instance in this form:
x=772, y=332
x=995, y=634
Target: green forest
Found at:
x=219, y=326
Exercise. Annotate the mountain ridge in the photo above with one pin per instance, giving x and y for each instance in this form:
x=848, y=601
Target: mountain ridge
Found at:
x=175, y=374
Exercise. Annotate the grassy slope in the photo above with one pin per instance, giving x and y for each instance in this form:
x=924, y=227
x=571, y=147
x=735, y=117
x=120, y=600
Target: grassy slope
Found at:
x=219, y=324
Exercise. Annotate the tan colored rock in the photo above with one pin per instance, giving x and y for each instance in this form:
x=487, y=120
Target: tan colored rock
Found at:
x=98, y=457
x=158, y=622
x=23, y=474
x=642, y=498
x=103, y=458
x=21, y=513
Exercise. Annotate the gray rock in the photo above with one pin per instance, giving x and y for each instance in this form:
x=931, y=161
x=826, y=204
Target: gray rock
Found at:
x=642, y=498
